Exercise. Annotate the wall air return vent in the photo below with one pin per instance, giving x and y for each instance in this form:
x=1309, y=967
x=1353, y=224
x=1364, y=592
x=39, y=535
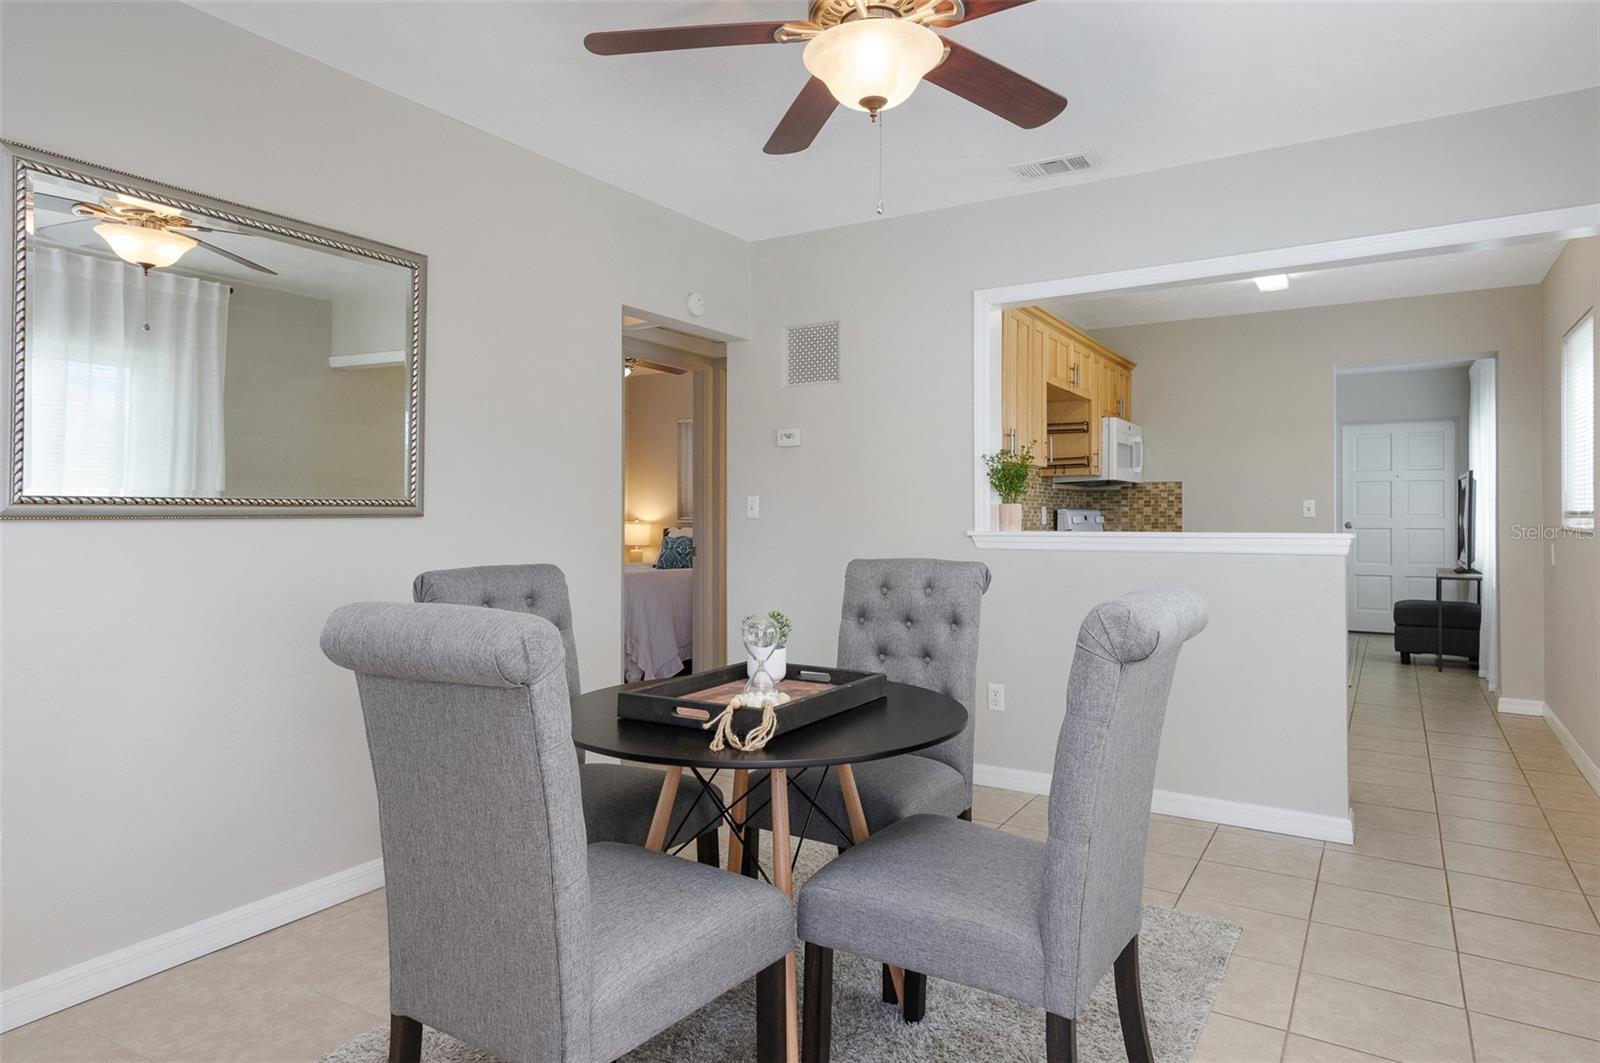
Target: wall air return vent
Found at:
x=1060, y=165
x=812, y=356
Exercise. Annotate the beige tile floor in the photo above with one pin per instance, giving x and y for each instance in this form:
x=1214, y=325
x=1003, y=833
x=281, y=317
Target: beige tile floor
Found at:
x=1459, y=926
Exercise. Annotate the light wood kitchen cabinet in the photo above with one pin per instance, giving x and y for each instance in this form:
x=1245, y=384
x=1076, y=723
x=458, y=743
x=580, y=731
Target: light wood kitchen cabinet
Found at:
x=1022, y=385
x=1056, y=385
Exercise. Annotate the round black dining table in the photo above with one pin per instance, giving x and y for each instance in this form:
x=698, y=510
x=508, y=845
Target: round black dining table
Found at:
x=907, y=718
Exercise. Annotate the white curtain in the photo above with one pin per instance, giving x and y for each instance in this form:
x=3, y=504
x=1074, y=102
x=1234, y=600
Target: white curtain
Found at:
x=1482, y=450
x=113, y=408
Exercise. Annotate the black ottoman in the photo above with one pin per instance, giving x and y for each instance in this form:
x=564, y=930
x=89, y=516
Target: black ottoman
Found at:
x=1416, y=628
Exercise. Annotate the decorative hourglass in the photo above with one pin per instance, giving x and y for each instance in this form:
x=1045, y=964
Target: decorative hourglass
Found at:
x=760, y=641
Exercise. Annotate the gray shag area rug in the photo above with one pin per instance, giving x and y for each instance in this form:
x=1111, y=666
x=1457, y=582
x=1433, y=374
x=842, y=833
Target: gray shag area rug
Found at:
x=1181, y=956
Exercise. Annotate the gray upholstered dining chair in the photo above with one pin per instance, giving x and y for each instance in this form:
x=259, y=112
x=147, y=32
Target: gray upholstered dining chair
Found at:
x=507, y=929
x=1038, y=922
x=916, y=620
x=618, y=799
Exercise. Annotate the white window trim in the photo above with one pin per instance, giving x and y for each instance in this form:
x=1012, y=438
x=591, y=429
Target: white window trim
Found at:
x=988, y=303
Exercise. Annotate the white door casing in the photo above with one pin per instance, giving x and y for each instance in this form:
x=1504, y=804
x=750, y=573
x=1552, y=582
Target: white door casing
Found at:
x=1397, y=497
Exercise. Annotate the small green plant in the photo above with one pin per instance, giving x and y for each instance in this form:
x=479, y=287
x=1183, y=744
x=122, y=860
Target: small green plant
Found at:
x=785, y=625
x=1008, y=472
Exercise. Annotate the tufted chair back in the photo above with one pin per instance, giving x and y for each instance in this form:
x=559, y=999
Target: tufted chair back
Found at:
x=479, y=809
x=1103, y=780
x=916, y=620
x=537, y=589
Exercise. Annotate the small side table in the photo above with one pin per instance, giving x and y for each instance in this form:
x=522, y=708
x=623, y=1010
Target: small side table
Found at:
x=1474, y=578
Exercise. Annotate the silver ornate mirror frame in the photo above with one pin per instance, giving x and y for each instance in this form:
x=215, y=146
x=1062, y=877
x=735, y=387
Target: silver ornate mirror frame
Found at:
x=21, y=160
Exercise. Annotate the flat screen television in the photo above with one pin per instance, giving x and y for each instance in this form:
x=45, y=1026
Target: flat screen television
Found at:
x=1466, y=536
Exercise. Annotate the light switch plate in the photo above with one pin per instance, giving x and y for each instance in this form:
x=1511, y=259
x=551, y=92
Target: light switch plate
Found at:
x=1308, y=507
x=752, y=507
x=788, y=437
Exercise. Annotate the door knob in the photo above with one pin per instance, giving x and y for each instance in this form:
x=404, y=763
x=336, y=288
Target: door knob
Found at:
x=1347, y=524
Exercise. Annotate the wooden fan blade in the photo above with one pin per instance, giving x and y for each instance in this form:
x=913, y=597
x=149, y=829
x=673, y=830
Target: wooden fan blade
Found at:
x=59, y=204
x=61, y=225
x=803, y=120
x=673, y=38
x=995, y=88
x=230, y=256
x=980, y=8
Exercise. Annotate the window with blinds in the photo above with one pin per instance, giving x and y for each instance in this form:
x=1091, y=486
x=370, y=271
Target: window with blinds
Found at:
x=1577, y=426
x=685, y=472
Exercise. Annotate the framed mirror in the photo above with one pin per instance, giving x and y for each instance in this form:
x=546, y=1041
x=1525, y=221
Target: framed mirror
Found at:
x=175, y=355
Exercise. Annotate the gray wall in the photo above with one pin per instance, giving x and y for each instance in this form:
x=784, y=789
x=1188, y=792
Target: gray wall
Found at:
x=902, y=290
x=175, y=744
x=1204, y=388
x=1572, y=574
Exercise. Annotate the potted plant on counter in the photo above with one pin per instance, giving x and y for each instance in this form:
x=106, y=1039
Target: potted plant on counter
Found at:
x=1008, y=475
x=778, y=663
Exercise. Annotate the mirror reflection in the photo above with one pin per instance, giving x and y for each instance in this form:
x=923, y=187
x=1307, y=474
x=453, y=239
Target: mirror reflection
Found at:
x=172, y=354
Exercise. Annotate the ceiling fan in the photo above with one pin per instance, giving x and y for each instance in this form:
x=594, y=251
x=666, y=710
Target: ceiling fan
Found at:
x=146, y=234
x=868, y=56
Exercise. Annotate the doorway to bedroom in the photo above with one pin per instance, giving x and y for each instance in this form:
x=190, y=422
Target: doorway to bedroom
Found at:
x=674, y=472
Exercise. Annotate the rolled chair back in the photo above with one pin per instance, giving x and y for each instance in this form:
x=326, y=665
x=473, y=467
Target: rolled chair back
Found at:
x=916, y=620
x=1102, y=784
x=537, y=589
x=484, y=853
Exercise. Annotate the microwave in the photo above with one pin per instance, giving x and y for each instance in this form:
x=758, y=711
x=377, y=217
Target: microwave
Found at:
x=1121, y=455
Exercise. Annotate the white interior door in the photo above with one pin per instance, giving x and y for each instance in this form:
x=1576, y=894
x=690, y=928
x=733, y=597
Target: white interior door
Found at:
x=1398, y=500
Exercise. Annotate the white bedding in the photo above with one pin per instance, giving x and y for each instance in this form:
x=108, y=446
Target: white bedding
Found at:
x=657, y=621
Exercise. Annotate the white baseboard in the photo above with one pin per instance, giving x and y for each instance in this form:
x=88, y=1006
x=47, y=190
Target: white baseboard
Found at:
x=1579, y=756
x=1193, y=806
x=1027, y=782
x=53, y=992
x=1522, y=707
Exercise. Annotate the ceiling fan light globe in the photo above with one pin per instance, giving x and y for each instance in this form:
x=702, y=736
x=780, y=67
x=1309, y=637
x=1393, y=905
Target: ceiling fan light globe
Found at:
x=144, y=246
x=873, y=59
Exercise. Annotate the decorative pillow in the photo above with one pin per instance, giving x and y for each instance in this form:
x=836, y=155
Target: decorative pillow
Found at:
x=677, y=551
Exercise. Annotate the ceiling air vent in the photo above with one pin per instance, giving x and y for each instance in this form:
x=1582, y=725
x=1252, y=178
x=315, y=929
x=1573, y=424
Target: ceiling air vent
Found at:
x=812, y=356
x=1076, y=162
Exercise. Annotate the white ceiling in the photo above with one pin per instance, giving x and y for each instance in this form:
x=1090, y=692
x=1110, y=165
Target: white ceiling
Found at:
x=1151, y=85
x=1465, y=271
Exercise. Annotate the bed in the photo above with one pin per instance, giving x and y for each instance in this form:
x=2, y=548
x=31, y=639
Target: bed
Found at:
x=657, y=621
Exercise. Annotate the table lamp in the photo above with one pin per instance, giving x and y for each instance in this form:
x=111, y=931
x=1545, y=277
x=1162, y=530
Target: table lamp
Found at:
x=636, y=535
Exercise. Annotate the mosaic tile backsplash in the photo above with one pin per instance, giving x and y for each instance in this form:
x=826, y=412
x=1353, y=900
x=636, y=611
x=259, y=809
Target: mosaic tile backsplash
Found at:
x=1151, y=506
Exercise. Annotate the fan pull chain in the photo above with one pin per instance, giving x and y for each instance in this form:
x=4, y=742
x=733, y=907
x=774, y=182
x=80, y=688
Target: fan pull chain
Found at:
x=144, y=286
x=878, y=120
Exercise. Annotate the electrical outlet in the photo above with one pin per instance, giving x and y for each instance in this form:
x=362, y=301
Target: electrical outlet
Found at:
x=1308, y=507
x=752, y=507
x=997, y=697
x=788, y=437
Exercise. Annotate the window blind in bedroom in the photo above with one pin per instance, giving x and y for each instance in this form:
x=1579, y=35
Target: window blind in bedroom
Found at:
x=1577, y=426
x=686, y=472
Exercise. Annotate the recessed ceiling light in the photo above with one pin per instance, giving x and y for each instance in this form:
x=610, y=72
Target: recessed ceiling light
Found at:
x=1275, y=283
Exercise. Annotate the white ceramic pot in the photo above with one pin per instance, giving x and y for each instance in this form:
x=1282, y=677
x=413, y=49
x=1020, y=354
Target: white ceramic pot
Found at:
x=777, y=664
x=1010, y=516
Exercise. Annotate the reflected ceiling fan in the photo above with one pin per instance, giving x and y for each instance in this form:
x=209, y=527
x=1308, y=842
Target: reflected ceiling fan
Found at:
x=146, y=234
x=868, y=56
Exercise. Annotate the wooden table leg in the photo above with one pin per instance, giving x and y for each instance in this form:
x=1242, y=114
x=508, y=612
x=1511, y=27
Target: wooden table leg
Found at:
x=779, y=781
x=741, y=790
x=657, y=837
x=858, y=833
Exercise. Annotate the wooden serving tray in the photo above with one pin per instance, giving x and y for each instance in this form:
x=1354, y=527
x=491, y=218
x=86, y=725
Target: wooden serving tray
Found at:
x=692, y=700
